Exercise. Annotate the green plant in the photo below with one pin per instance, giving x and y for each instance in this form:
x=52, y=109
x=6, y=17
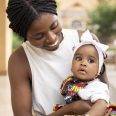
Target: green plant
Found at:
x=103, y=20
x=16, y=41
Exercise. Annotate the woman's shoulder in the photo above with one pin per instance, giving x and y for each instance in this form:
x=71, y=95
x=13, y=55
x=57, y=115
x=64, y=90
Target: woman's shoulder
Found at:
x=18, y=54
x=18, y=61
x=70, y=33
x=74, y=32
x=68, y=30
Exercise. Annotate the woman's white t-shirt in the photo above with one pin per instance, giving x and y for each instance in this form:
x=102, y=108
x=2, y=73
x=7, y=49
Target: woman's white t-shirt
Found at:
x=49, y=69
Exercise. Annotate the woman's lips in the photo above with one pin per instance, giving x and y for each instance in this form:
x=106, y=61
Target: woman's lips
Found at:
x=55, y=44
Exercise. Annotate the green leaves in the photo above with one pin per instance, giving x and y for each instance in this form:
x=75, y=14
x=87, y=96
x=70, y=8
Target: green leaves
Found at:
x=103, y=19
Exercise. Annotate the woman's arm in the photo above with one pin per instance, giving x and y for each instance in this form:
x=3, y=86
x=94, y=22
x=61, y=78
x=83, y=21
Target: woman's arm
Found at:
x=98, y=108
x=20, y=84
x=78, y=107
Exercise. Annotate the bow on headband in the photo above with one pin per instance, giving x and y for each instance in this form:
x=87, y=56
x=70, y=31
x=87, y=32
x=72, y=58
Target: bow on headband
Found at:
x=87, y=38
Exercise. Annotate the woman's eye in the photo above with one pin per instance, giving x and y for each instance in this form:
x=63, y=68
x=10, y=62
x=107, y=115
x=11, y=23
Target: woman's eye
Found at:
x=54, y=25
x=39, y=36
x=91, y=61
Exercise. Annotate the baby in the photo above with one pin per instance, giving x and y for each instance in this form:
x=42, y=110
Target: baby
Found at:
x=84, y=84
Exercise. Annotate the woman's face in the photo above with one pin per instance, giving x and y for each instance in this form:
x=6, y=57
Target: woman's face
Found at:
x=45, y=32
x=85, y=63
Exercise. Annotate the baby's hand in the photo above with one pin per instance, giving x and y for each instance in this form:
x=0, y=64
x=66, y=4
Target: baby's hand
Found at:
x=108, y=112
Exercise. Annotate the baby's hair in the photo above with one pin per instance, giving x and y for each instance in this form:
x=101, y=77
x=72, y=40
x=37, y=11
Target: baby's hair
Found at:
x=21, y=13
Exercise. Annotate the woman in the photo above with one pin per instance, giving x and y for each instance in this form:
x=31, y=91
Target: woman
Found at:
x=36, y=69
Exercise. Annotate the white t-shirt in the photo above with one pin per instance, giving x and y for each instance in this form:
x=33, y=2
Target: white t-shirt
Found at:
x=49, y=69
x=94, y=91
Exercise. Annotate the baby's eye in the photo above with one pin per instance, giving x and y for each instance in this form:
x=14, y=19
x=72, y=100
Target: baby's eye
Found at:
x=78, y=58
x=91, y=61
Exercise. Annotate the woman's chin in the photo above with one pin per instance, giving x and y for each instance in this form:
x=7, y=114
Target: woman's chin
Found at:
x=51, y=48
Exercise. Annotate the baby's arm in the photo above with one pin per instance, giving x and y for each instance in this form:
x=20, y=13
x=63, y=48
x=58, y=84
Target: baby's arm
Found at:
x=98, y=108
x=98, y=93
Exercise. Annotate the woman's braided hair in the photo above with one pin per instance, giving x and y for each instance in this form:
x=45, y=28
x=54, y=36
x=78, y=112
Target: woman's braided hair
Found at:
x=22, y=13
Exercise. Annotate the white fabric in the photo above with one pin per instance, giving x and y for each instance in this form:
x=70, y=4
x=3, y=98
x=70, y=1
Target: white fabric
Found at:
x=49, y=69
x=94, y=91
x=87, y=38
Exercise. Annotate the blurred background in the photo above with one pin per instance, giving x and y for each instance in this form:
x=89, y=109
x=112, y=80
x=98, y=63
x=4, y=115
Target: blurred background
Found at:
x=97, y=15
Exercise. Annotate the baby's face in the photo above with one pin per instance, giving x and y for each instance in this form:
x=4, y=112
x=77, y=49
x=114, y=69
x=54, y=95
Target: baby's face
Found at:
x=85, y=63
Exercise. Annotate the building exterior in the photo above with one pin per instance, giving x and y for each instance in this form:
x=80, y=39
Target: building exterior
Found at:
x=5, y=36
x=74, y=13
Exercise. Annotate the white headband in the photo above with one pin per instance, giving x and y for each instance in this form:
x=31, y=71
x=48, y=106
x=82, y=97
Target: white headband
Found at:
x=87, y=38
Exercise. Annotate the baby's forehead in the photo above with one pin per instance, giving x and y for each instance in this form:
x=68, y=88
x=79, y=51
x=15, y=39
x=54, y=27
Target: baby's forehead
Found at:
x=87, y=48
x=87, y=45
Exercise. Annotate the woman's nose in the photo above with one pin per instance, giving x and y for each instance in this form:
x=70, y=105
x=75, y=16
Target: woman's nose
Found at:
x=51, y=37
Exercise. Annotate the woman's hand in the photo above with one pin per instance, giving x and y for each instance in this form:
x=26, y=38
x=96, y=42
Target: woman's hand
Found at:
x=107, y=113
x=77, y=107
x=80, y=107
